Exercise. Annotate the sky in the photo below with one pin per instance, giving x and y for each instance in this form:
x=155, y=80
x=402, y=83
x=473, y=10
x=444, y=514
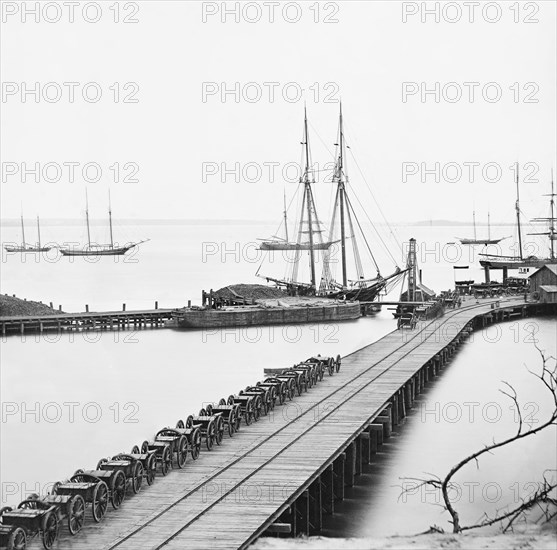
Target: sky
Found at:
x=201, y=106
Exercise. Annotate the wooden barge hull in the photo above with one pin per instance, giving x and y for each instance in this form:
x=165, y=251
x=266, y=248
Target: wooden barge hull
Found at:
x=240, y=317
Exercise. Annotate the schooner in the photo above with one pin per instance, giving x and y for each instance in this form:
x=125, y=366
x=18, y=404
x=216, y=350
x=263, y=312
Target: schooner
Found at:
x=342, y=230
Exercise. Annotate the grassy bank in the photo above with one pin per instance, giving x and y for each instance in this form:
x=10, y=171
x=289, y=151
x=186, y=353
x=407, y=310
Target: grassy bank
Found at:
x=11, y=306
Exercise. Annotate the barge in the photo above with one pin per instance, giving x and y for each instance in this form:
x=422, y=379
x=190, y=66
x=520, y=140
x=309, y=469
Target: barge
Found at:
x=281, y=313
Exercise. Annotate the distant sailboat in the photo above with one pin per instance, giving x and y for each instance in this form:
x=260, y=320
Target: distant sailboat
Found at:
x=279, y=243
x=520, y=262
x=475, y=240
x=99, y=249
x=24, y=247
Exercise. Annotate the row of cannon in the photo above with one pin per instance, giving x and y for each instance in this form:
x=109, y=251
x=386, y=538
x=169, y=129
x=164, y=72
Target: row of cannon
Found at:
x=109, y=482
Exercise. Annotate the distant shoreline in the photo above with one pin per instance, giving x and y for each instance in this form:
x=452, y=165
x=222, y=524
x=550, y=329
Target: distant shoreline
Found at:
x=15, y=222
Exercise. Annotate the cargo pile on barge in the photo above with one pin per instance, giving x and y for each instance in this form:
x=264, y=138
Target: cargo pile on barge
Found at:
x=254, y=305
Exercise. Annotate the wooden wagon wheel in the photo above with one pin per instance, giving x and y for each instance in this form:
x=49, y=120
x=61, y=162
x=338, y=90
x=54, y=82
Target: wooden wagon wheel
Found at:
x=118, y=489
x=151, y=469
x=17, y=539
x=195, y=443
x=210, y=435
x=182, y=451
x=291, y=388
x=99, y=503
x=222, y=401
x=135, y=450
x=202, y=412
x=145, y=447
x=209, y=409
x=137, y=479
x=189, y=421
x=238, y=417
x=231, y=423
x=257, y=406
x=33, y=504
x=166, y=460
x=50, y=529
x=331, y=366
x=248, y=412
x=338, y=363
x=54, y=489
x=230, y=400
x=320, y=371
x=219, y=431
x=76, y=514
x=101, y=462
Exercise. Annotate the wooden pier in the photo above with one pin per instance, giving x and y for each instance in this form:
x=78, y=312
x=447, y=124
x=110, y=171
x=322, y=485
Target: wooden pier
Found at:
x=106, y=320
x=287, y=471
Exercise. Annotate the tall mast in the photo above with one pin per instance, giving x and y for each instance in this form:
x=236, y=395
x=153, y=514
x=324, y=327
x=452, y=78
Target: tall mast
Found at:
x=110, y=220
x=87, y=218
x=309, y=201
x=552, y=219
x=517, y=206
x=39, y=232
x=488, y=228
x=474, y=219
x=285, y=217
x=341, y=197
x=22, y=229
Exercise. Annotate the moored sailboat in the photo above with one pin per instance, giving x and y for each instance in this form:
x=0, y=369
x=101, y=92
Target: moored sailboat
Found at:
x=310, y=239
x=24, y=247
x=93, y=249
x=493, y=261
x=475, y=240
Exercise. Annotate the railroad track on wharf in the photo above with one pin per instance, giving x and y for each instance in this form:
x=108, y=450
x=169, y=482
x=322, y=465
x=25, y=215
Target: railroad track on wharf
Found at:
x=284, y=472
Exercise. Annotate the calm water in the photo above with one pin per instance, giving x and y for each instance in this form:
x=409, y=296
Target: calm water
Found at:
x=75, y=398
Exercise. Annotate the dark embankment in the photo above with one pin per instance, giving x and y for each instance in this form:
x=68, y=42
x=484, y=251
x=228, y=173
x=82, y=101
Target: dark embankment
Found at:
x=249, y=292
x=11, y=306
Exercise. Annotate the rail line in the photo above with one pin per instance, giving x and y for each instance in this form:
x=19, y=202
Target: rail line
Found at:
x=408, y=343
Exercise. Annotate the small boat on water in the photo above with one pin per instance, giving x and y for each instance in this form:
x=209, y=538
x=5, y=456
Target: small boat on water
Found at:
x=24, y=247
x=94, y=249
x=522, y=262
x=475, y=240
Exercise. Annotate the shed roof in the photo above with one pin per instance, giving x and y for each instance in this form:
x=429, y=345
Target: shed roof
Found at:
x=551, y=267
x=549, y=288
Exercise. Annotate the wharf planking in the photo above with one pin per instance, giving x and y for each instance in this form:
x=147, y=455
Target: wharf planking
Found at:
x=281, y=464
x=106, y=320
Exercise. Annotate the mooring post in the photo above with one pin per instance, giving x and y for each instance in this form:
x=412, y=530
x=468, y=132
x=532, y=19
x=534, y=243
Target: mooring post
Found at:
x=408, y=396
x=376, y=437
x=156, y=304
x=123, y=307
x=87, y=308
x=394, y=409
x=366, y=449
x=51, y=305
x=358, y=451
x=338, y=477
x=189, y=303
x=315, y=507
x=350, y=465
x=302, y=514
x=384, y=418
x=328, y=490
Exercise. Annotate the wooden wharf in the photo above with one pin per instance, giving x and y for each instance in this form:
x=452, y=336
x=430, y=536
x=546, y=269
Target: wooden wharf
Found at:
x=106, y=320
x=283, y=474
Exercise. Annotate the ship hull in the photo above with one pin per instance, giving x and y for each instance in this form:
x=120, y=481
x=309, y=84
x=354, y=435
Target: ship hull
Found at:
x=479, y=241
x=257, y=316
x=107, y=252
x=516, y=264
x=28, y=249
